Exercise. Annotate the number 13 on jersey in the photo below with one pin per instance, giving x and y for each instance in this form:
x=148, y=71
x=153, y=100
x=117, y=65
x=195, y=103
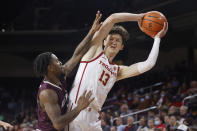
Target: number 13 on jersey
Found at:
x=104, y=78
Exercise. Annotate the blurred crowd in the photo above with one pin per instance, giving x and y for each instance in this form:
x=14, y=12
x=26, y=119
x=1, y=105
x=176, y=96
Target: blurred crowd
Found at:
x=172, y=112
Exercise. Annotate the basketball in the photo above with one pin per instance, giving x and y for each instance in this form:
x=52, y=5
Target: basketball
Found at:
x=153, y=22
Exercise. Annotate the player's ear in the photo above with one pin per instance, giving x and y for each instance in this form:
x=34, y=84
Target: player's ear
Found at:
x=50, y=67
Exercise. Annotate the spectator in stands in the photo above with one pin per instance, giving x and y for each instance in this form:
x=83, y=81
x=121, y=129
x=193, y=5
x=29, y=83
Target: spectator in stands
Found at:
x=183, y=113
x=164, y=112
x=183, y=88
x=175, y=82
x=102, y=115
x=147, y=96
x=130, y=126
x=172, y=110
x=169, y=85
x=150, y=125
x=113, y=128
x=151, y=114
x=124, y=110
x=130, y=99
x=104, y=126
x=193, y=87
x=159, y=125
x=108, y=116
x=123, y=98
x=167, y=100
x=135, y=102
x=26, y=119
x=144, y=102
x=155, y=98
x=173, y=125
x=119, y=125
x=166, y=120
x=142, y=124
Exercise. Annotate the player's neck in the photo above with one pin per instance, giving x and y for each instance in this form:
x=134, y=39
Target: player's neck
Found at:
x=52, y=79
x=109, y=55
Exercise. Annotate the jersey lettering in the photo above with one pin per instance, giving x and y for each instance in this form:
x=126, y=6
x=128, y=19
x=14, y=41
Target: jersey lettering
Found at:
x=106, y=78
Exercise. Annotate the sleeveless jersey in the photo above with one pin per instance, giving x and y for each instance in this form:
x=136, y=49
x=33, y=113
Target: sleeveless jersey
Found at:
x=44, y=123
x=97, y=75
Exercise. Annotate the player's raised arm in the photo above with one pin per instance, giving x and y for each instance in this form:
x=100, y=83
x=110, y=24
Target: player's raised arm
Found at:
x=141, y=67
x=49, y=100
x=107, y=25
x=83, y=47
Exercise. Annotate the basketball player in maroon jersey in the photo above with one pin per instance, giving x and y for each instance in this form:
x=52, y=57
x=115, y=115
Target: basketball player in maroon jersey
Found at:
x=52, y=94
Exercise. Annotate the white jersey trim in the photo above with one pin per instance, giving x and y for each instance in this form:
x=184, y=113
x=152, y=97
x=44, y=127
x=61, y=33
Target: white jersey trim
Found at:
x=52, y=84
x=92, y=59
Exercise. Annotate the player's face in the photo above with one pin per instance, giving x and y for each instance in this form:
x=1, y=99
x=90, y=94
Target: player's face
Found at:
x=56, y=66
x=113, y=43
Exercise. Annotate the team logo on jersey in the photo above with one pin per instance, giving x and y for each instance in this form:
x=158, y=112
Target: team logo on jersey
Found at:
x=108, y=68
x=104, y=57
x=114, y=68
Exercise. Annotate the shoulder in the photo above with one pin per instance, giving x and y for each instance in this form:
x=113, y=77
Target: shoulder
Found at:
x=90, y=58
x=92, y=53
x=48, y=95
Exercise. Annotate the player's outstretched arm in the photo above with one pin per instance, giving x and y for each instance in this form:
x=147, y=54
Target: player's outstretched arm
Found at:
x=141, y=67
x=107, y=25
x=101, y=34
x=5, y=125
x=49, y=100
x=83, y=47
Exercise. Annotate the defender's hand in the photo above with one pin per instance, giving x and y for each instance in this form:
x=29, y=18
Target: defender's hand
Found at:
x=96, y=25
x=84, y=100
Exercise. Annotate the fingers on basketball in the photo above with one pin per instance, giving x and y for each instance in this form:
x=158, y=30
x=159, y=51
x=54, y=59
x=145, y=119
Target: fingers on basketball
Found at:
x=153, y=22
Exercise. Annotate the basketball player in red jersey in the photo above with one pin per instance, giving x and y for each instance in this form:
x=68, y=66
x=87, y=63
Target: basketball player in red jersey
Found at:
x=52, y=95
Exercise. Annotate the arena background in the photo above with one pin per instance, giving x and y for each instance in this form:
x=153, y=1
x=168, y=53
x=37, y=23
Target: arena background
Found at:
x=28, y=28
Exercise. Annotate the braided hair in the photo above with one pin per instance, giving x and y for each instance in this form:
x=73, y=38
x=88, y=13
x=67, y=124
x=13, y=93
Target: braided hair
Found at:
x=41, y=63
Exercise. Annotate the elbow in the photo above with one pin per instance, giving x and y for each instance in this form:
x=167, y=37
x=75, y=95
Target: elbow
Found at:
x=112, y=18
x=151, y=65
x=59, y=126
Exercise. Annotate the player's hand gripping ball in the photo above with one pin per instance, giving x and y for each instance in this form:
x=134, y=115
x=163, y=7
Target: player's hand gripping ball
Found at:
x=152, y=23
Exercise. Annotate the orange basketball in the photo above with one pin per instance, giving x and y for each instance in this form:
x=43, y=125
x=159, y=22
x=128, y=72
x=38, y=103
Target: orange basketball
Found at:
x=153, y=22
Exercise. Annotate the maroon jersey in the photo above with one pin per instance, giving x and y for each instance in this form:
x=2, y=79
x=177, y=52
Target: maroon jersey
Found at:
x=44, y=123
